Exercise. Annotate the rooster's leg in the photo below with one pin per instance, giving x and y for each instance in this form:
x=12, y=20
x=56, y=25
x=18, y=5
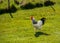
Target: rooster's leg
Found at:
x=35, y=30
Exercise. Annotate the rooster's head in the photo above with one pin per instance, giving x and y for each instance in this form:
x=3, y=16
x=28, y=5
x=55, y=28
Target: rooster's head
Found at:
x=32, y=18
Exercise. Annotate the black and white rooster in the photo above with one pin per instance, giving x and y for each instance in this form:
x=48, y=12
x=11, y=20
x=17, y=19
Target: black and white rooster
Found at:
x=37, y=24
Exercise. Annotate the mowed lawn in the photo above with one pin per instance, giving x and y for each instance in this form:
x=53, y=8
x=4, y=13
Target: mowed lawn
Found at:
x=19, y=29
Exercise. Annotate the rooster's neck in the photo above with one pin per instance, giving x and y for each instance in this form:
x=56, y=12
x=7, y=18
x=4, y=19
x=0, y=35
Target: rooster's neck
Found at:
x=34, y=21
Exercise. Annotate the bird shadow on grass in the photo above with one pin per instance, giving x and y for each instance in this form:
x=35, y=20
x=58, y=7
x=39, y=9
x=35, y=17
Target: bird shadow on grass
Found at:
x=37, y=34
x=6, y=10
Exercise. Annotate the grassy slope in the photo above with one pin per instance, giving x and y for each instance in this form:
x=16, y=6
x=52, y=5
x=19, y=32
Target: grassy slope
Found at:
x=20, y=29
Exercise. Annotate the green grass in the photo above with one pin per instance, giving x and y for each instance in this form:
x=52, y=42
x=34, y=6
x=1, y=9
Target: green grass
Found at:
x=20, y=29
